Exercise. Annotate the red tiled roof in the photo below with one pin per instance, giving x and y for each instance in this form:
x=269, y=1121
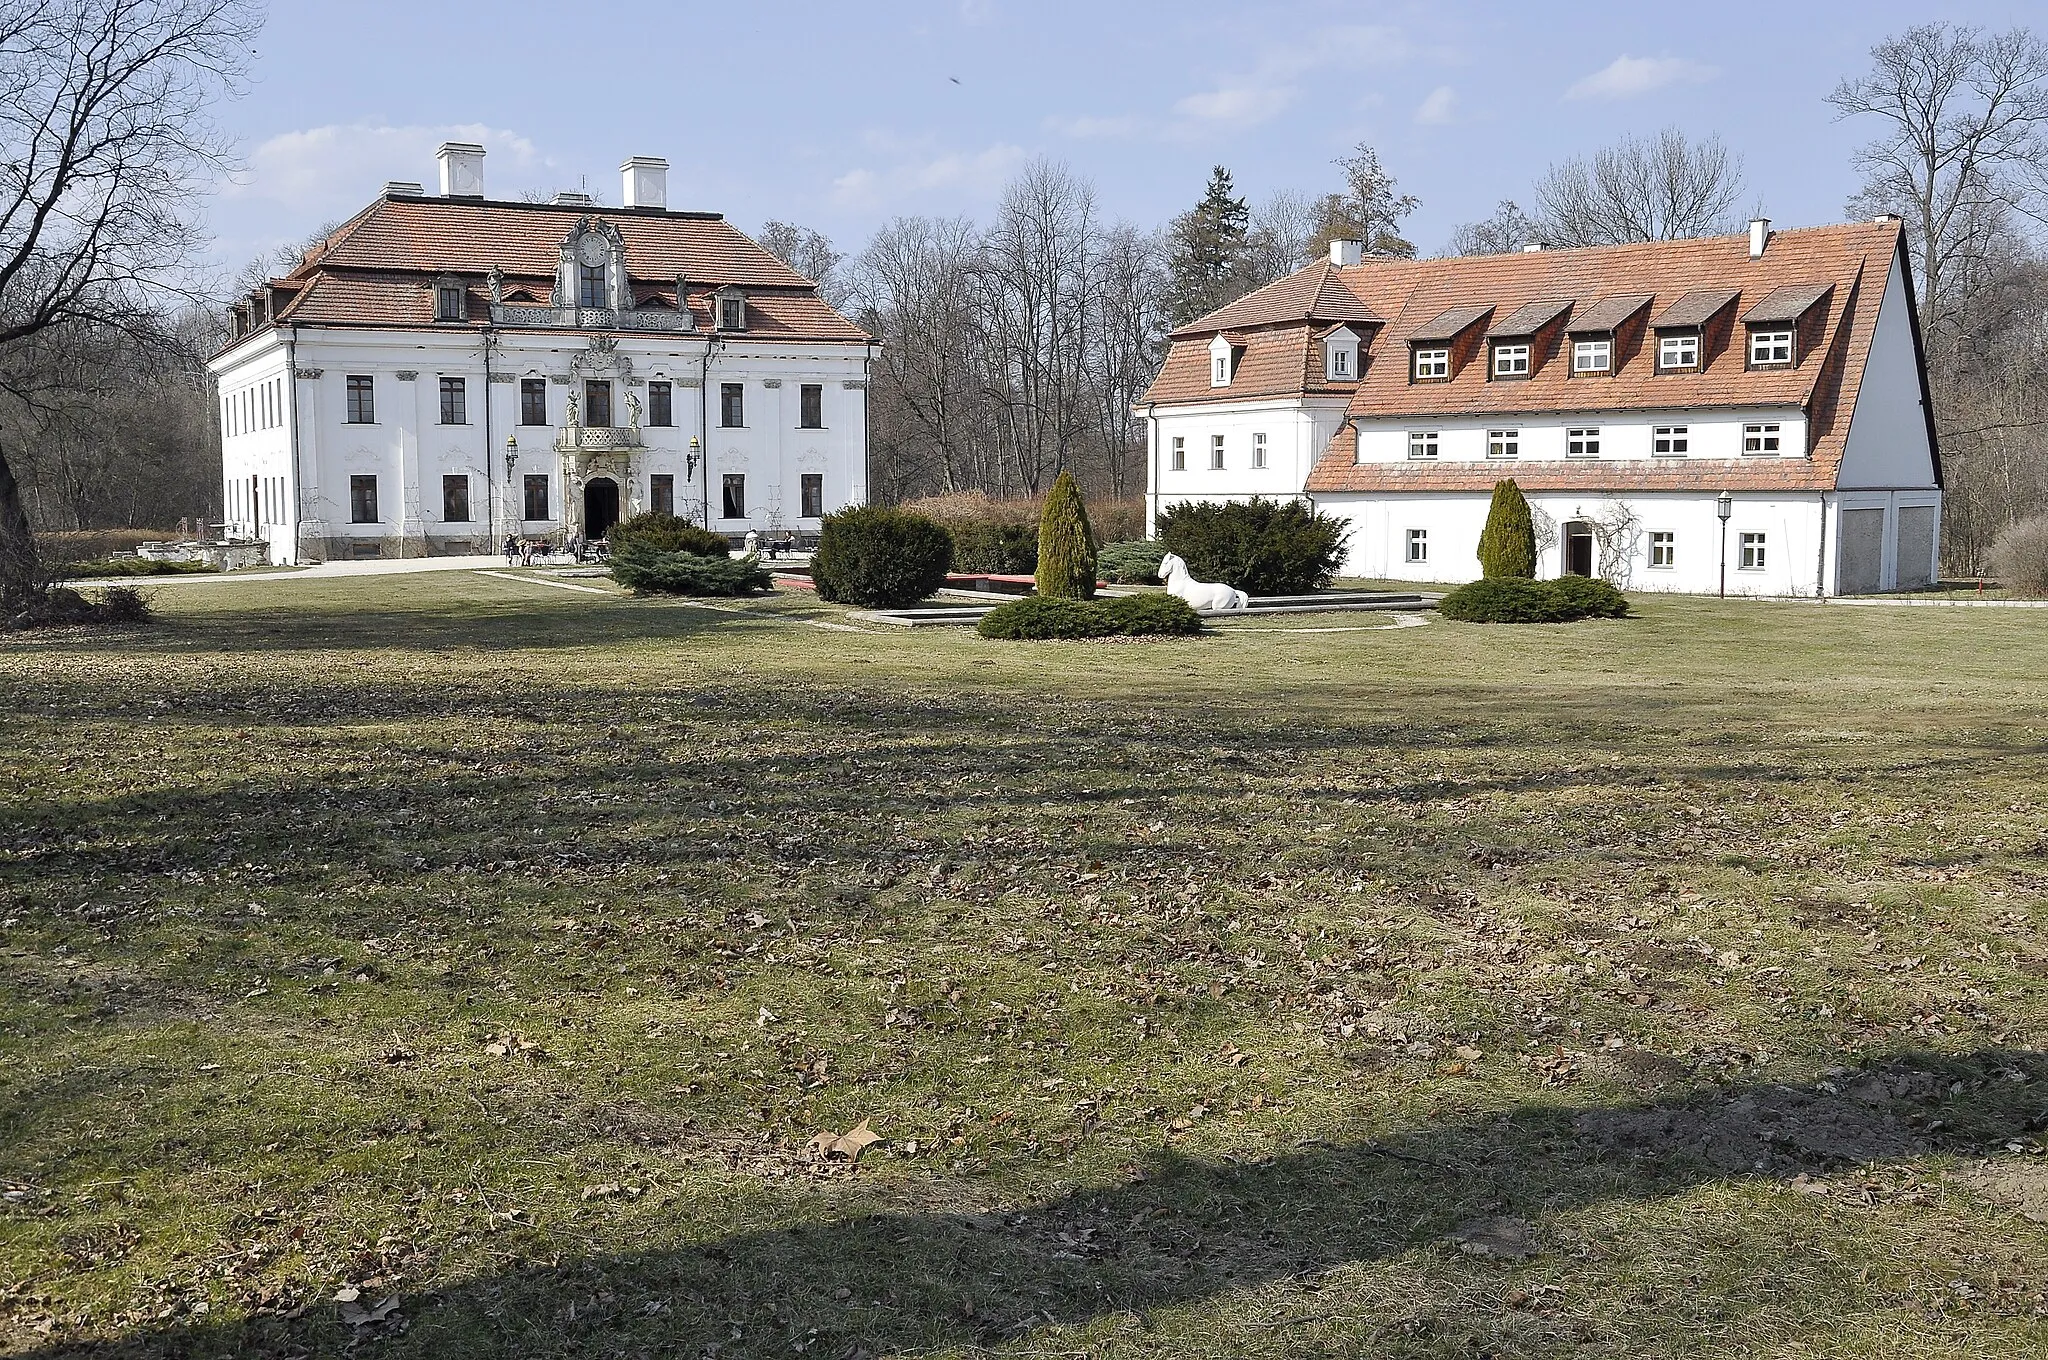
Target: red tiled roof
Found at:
x=1608, y=313
x=1317, y=293
x=1529, y=318
x=1788, y=303
x=1450, y=323
x=376, y=269
x=1696, y=308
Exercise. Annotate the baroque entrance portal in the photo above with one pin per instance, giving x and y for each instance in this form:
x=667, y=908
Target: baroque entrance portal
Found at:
x=600, y=506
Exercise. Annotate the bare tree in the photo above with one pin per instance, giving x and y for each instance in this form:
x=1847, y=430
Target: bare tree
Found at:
x=912, y=288
x=1504, y=233
x=1661, y=188
x=809, y=253
x=1129, y=290
x=1280, y=238
x=1368, y=210
x=105, y=144
x=1966, y=145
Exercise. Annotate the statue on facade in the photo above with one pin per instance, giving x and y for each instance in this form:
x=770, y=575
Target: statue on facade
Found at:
x=573, y=420
x=632, y=411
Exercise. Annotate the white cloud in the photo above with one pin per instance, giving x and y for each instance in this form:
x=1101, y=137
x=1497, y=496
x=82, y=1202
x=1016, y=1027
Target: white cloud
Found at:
x=1088, y=128
x=975, y=13
x=1627, y=77
x=1248, y=103
x=339, y=167
x=975, y=173
x=1440, y=107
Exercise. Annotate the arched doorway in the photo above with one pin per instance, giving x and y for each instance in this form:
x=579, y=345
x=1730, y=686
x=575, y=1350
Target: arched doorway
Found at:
x=600, y=506
x=1578, y=548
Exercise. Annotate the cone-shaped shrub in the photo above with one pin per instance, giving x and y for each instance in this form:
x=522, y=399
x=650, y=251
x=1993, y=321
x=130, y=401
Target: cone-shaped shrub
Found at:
x=1066, y=546
x=1507, y=546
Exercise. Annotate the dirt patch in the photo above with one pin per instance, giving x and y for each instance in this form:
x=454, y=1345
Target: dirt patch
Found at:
x=2018, y=1183
x=1777, y=1128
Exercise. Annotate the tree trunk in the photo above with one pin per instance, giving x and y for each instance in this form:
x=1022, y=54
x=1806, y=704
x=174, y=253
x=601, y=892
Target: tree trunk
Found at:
x=20, y=577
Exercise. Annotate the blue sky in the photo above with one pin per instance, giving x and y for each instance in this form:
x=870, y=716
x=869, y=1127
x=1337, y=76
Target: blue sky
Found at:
x=841, y=116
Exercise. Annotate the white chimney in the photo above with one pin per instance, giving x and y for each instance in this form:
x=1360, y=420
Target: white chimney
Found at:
x=1532, y=247
x=403, y=188
x=646, y=182
x=462, y=169
x=573, y=198
x=1759, y=233
x=1347, y=252
x=1883, y=219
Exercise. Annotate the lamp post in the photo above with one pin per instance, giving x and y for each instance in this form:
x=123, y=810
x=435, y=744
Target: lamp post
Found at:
x=1724, y=506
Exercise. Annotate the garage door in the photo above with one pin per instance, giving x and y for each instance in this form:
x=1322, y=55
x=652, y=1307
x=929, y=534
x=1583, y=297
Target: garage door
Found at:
x=1916, y=546
x=1862, y=553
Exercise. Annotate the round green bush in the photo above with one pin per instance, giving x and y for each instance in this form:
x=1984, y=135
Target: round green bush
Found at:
x=1515, y=599
x=879, y=558
x=668, y=533
x=1130, y=564
x=1038, y=617
x=647, y=570
x=1262, y=547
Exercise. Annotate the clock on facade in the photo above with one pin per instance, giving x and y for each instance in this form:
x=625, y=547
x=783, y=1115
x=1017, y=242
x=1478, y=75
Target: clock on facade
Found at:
x=590, y=250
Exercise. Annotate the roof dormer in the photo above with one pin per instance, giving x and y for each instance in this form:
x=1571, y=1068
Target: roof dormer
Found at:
x=1439, y=346
x=1223, y=358
x=729, y=309
x=591, y=275
x=1687, y=331
x=1515, y=343
x=1340, y=355
x=1776, y=324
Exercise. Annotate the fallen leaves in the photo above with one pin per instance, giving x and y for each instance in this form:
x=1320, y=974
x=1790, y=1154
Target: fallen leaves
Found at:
x=827, y=1146
x=356, y=1315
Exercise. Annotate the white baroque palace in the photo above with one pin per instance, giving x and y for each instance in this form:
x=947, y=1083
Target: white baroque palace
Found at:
x=1743, y=408
x=443, y=371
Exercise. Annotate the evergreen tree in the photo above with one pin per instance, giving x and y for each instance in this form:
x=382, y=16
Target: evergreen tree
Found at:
x=1066, y=545
x=1507, y=546
x=1206, y=251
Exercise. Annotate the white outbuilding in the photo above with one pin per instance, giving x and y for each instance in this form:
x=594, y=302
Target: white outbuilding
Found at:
x=1751, y=408
x=445, y=370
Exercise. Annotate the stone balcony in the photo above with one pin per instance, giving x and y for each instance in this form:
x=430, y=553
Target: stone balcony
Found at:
x=596, y=439
x=658, y=319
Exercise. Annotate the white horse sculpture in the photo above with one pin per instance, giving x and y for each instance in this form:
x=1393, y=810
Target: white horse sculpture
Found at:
x=1199, y=594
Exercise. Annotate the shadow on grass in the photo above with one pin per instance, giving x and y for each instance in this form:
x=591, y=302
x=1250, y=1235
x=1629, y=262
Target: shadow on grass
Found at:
x=1179, y=1231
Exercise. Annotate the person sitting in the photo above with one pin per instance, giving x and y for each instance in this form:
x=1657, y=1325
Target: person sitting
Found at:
x=511, y=550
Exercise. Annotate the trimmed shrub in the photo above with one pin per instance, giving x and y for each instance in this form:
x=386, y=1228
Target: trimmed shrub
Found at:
x=1515, y=599
x=1507, y=546
x=89, y=545
x=668, y=533
x=58, y=606
x=1130, y=564
x=1262, y=547
x=879, y=558
x=1037, y=618
x=114, y=567
x=124, y=604
x=2019, y=556
x=1066, y=545
x=1000, y=549
x=646, y=570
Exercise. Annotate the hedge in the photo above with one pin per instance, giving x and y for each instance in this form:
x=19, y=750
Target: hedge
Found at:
x=668, y=533
x=1130, y=564
x=646, y=570
x=1262, y=547
x=1515, y=599
x=999, y=549
x=128, y=566
x=879, y=558
x=1037, y=617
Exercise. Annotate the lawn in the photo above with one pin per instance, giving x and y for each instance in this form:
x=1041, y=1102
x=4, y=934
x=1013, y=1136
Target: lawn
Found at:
x=446, y=965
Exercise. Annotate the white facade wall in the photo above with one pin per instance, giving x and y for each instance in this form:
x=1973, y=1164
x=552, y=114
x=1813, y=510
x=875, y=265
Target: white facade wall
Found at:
x=258, y=488
x=1623, y=438
x=409, y=451
x=1296, y=433
x=1622, y=526
x=1887, y=444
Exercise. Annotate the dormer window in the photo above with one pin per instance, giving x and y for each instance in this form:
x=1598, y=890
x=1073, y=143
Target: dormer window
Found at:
x=1432, y=365
x=1340, y=355
x=1511, y=361
x=1770, y=348
x=1678, y=353
x=1593, y=356
x=732, y=310
x=449, y=303
x=1222, y=362
x=590, y=289
x=1221, y=377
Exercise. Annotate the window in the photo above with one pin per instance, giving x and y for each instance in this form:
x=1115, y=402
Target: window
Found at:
x=813, y=486
x=533, y=401
x=1258, y=450
x=732, y=314
x=1418, y=545
x=1180, y=454
x=1422, y=443
x=362, y=400
x=455, y=499
x=732, y=405
x=362, y=499
x=1770, y=347
x=449, y=303
x=454, y=402
x=1752, y=552
x=1432, y=363
x=1670, y=441
x=1592, y=356
x=661, y=404
x=1760, y=439
x=1340, y=362
x=1663, y=548
x=735, y=506
x=1678, y=351
x=1510, y=361
x=590, y=289
x=810, y=407
x=661, y=493
x=1503, y=443
x=537, y=496
x=1583, y=442
x=597, y=402
x=1215, y=451
x=1220, y=375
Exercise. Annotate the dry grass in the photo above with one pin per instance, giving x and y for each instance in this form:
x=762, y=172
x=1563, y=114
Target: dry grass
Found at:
x=497, y=951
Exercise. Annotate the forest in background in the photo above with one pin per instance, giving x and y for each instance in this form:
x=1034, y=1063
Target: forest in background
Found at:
x=1015, y=348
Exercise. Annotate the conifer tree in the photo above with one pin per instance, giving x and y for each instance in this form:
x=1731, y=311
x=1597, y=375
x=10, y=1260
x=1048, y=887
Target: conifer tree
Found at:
x=1507, y=546
x=1206, y=248
x=1066, y=545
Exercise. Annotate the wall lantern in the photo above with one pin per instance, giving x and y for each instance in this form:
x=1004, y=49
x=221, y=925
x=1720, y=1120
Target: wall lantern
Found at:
x=696, y=452
x=511, y=453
